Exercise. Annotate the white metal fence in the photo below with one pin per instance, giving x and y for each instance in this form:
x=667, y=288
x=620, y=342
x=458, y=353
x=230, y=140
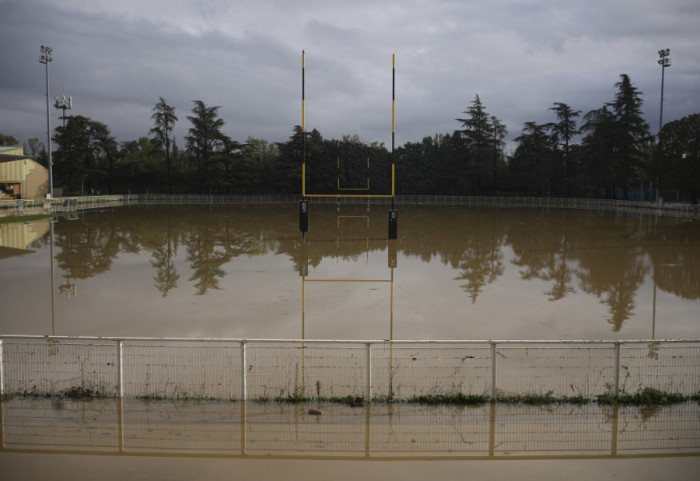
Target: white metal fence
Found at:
x=233, y=369
x=38, y=206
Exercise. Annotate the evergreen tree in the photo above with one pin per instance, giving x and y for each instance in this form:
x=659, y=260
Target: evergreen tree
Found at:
x=498, y=134
x=84, y=147
x=632, y=133
x=598, y=149
x=164, y=119
x=677, y=156
x=204, y=137
x=532, y=166
x=617, y=140
x=564, y=131
x=475, y=171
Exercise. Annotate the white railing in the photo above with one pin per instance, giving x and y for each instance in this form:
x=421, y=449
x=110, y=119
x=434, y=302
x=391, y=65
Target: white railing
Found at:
x=256, y=369
x=39, y=206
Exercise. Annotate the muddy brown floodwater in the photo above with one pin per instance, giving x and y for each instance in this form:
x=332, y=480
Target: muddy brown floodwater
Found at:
x=245, y=271
x=154, y=440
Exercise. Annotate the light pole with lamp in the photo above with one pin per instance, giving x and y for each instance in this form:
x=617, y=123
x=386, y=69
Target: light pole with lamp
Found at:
x=664, y=61
x=45, y=59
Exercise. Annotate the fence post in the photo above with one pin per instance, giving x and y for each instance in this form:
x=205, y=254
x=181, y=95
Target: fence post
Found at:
x=493, y=372
x=369, y=371
x=120, y=368
x=617, y=370
x=243, y=372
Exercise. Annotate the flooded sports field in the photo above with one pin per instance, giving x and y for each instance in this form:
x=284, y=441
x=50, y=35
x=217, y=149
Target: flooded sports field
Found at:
x=246, y=272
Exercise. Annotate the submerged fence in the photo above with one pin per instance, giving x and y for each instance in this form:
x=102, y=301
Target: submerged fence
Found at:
x=239, y=369
x=386, y=431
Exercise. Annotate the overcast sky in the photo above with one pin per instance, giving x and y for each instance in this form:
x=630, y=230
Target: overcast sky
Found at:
x=116, y=58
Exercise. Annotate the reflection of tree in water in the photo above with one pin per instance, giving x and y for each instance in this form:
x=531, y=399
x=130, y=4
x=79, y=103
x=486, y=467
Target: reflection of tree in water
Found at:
x=166, y=276
x=479, y=266
x=88, y=248
x=163, y=243
x=620, y=294
x=675, y=255
x=559, y=271
x=601, y=249
x=206, y=258
x=612, y=266
x=541, y=245
x=216, y=237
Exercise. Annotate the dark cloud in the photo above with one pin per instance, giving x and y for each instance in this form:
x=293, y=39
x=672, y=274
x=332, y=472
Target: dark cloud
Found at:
x=117, y=58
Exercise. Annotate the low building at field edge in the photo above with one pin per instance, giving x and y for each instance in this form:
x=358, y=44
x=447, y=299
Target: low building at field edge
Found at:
x=20, y=176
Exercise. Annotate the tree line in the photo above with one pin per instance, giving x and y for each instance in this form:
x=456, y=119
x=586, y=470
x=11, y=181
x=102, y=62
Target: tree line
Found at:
x=607, y=152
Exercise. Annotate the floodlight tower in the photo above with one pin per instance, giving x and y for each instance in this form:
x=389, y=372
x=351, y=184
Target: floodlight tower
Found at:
x=63, y=105
x=664, y=61
x=45, y=59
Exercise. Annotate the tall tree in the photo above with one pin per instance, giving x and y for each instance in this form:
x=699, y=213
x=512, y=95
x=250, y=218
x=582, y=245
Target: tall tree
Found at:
x=230, y=155
x=164, y=119
x=140, y=166
x=204, y=136
x=84, y=146
x=598, y=148
x=532, y=166
x=617, y=140
x=261, y=156
x=108, y=149
x=632, y=133
x=498, y=134
x=476, y=151
x=564, y=130
x=677, y=156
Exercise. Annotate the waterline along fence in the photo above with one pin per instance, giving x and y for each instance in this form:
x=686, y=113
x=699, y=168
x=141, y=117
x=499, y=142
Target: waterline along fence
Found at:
x=58, y=205
x=240, y=369
x=137, y=427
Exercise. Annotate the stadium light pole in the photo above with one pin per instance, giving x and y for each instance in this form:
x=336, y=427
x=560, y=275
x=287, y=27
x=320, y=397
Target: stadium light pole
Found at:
x=45, y=59
x=664, y=61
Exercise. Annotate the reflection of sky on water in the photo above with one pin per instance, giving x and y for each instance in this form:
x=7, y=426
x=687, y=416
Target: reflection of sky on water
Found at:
x=461, y=274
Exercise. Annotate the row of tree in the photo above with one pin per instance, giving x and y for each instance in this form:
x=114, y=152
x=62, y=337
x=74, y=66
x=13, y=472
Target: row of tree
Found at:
x=614, y=156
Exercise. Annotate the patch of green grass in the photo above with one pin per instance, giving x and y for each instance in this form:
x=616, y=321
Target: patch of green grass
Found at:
x=528, y=398
x=457, y=398
x=647, y=396
x=80, y=392
x=578, y=400
x=151, y=397
x=24, y=218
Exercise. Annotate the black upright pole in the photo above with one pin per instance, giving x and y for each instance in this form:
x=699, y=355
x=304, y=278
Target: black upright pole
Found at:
x=393, y=215
x=303, y=204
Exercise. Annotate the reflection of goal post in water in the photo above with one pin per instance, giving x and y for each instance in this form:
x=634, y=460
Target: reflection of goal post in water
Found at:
x=347, y=191
x=388, y=281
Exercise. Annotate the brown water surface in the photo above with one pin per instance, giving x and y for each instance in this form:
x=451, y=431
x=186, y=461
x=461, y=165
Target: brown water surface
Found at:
x=165, y=440
x=244, y=271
